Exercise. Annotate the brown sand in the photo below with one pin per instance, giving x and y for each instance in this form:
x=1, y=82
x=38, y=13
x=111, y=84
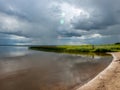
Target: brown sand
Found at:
x=109, y=79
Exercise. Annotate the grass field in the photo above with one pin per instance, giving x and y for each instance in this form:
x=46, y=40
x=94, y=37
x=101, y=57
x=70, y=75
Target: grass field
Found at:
x=79, y=48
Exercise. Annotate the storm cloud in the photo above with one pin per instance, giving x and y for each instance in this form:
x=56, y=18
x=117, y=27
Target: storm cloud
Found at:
x=101, y=15
x=51, y=22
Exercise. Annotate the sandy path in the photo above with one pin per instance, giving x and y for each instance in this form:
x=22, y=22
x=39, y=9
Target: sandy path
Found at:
x=109, y=79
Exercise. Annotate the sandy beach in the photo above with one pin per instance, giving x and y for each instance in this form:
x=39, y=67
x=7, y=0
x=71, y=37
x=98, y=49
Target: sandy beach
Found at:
x=108, y=79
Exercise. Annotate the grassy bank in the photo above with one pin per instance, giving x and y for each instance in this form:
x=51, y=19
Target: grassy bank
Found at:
x=79, y=48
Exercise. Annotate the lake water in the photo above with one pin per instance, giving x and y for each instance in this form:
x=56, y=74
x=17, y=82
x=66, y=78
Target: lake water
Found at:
x=23, y=69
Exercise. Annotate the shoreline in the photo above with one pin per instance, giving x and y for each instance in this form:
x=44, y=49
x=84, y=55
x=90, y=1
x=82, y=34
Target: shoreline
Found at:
x=108, y=79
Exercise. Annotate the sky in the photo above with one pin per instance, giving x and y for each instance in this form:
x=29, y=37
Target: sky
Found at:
x=59, y=22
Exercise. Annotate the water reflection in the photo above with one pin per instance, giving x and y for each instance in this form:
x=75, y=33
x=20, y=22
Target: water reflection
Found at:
x=49, y=71
x=11, y=51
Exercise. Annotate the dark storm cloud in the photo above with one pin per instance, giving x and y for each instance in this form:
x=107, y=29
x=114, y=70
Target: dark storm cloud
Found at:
x=31, y=18
x=103, y=14
x=14, y=33
x=115, y=30
x=11, y=39
x=39, y=20
x=94, y=22
x=7, y=8
x=69, y=34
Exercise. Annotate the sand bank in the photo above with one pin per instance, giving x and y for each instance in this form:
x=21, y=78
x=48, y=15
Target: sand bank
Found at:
x=109, y=79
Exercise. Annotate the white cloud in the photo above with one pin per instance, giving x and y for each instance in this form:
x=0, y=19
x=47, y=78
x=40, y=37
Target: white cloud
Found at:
x=11, y=23
x=71, y=11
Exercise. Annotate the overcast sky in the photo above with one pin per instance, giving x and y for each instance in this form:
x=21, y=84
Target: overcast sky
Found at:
x=54, y=22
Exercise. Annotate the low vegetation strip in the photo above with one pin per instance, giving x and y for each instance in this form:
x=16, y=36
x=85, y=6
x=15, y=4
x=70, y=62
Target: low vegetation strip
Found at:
x=79, y=48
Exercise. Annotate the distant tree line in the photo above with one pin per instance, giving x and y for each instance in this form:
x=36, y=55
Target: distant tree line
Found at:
x=117, y=43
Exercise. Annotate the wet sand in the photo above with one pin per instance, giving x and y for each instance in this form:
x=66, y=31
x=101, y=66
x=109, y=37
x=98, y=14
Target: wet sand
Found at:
x=108, y=79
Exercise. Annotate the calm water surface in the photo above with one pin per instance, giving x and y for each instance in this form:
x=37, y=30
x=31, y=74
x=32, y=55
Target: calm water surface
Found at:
x=23, y=69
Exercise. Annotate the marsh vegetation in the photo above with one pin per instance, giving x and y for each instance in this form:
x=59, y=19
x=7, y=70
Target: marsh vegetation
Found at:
x=79, y=48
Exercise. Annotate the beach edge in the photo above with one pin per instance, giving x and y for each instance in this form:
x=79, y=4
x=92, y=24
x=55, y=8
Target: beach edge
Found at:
x=102, y=80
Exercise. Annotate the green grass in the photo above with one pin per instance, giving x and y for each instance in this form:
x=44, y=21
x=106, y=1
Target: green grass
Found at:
x=79, y=48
